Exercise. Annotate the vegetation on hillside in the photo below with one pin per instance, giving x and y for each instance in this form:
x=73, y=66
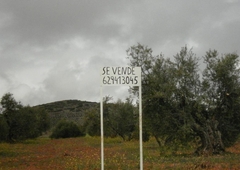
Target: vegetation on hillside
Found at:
x=73, y=110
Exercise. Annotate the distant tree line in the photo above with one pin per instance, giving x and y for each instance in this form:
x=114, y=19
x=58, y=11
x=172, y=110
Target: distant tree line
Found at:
x=18, y=122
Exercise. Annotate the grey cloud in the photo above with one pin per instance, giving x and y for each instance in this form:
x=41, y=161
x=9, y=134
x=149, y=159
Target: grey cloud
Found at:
x=53, y=50
x=176, y=21
x=50, y=21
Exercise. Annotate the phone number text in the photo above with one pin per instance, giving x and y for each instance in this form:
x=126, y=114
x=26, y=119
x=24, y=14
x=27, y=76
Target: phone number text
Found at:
x=120, y=80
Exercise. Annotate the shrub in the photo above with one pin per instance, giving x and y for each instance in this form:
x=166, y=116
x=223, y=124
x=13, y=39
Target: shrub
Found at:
x=66, y=129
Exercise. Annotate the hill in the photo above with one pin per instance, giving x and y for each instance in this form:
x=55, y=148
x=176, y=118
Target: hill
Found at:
x=73, y=110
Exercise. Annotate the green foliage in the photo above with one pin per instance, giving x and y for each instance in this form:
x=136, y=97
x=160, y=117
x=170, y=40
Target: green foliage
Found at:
x=158, y=87
x=21, y=122
x=4, y=129
x=120, y=118
x=11, y=108
x=66, y=129
x=221, y=87
x=179, y=105
x=92, y=122
x=25, y=124
x=43, y=120
x=145, y=133
x=9, y=104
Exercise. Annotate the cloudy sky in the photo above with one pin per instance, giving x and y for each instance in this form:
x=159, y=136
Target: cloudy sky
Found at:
x=53, y=50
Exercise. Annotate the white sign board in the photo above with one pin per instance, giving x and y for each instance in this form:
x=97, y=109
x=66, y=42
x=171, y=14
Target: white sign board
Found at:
x=121, y=76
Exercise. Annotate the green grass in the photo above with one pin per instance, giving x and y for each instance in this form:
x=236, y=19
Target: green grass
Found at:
x=84, y=154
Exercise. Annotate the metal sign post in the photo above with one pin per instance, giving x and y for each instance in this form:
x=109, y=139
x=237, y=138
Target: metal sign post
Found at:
x=102, y=134
x=121, y=76
x=140, y=128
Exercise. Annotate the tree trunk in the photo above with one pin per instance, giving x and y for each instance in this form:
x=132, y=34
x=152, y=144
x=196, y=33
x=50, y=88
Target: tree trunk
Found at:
x=211, y=140
x=158, y=141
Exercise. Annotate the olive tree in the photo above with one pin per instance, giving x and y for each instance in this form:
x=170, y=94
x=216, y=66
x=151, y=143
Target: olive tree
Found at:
x=218, y=121
x=21, y=122
x=180, y=104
